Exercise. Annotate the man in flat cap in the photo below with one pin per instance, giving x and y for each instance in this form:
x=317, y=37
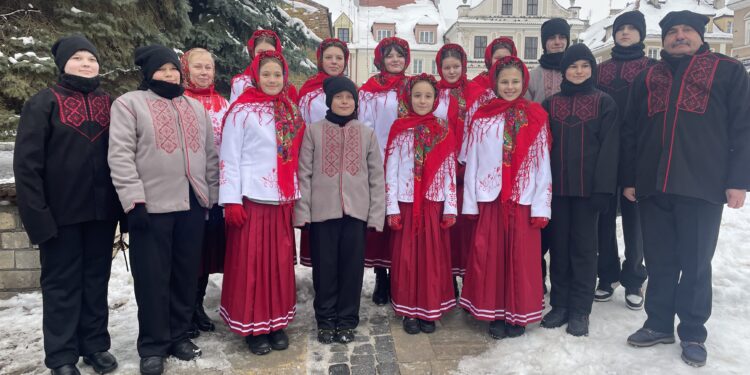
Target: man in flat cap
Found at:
x=686, y=152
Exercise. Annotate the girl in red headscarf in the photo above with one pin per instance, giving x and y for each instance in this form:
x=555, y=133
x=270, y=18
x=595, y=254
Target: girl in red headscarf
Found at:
x=198, y=72
x=258, y=186
x=333, y=57
x=420, y=207
x=379, y=106
x=507, y=185
x=452, y=90
x=261, y=40
x=480, y=89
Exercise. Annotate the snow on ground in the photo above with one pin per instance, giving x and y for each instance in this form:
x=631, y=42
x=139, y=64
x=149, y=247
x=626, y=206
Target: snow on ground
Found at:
x=604, y=351
x=540, y=351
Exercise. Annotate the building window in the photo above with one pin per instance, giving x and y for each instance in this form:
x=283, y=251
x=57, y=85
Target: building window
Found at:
x=653, y=53
x=426, y=37
x=384, y=33
x=507, y=8
x=434, y=67
x=480, y=43
x=343, y=34
x=532, y=7
x=730, y=27
x=530, y=48
x=418, y=66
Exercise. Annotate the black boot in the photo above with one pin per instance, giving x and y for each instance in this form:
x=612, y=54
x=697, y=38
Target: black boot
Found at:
x=497, y=329
x=201, y=319
x=102, y=362
x=557, y=317
x=381, y=294
x=66, y=370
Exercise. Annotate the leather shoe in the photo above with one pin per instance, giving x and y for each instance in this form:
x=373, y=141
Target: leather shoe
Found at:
x=201, y=319
x=411, y=326
x=258, y=345
x=426, y=326
x=66, y=370
x=185, y=350
x=278, y=339
x=102, y=362
x=152, y=365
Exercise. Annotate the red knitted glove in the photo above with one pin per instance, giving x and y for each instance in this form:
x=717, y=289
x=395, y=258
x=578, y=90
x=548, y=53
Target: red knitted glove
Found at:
x=539, y=222
x=394, y=222
x=448, y=221
x=234, y=214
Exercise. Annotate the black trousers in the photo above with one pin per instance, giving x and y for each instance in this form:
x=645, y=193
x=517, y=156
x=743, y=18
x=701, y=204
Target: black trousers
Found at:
x=632, y=274
x=573, y=254
x=337, y=249
x=679, y=240
x=546, y=243
x=75, y=273
x=164, y=260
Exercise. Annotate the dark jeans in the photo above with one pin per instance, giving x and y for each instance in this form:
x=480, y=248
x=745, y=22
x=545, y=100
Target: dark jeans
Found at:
x=337, y=249
x=679, y=240
x=75, y=274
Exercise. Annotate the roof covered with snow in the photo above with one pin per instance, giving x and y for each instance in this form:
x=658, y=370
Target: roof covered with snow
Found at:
x=405, y=17
x=596, y=35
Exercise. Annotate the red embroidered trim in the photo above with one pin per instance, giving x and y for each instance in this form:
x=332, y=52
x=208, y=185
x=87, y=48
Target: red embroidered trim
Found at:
x=189, y=125
x=607, y=73
x=72, y=108
x=630, y=69
x=696, y=85
x=552, y=81
x=582, y=108
x=164, y=122
x=331, y=150
x=353, y=150
x=659, y=86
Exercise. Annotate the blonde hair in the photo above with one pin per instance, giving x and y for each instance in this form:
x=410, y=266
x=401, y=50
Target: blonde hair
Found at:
x=195, y=52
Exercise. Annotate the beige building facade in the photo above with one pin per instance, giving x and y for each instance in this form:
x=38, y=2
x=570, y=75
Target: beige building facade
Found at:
x=741, y=31
x=479, y=22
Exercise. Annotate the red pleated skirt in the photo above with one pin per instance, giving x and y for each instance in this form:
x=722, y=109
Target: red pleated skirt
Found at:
x=258, y=294
x=378, y=248
x=503, y=280
x=421, y=282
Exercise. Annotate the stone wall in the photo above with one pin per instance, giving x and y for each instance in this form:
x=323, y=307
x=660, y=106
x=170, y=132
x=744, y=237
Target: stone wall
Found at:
x=19, y=260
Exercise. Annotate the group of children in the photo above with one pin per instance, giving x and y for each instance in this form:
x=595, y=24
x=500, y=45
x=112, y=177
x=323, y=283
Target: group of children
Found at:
x=430, y=179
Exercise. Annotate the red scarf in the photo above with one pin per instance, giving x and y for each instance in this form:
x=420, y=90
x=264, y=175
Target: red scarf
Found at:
x=289, y=125
x=457, y=103
x=524, y=120
x=384, y=81
x=433, y=144
x=315, y=83
x=208, y=96
x=481, y=83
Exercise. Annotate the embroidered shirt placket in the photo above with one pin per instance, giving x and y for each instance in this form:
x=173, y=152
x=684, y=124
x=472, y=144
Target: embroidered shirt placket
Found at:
x=185, y=153
x=341, y=169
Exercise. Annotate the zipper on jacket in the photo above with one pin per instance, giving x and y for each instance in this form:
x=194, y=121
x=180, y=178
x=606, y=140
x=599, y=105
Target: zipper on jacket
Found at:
x=341, y=170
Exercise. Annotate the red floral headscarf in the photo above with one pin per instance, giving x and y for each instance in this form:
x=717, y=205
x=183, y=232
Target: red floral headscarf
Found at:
x=457, y=103
x=524, y=120
x=384, y=81
x=316, y=82
x=289, y=123
x=433, y=143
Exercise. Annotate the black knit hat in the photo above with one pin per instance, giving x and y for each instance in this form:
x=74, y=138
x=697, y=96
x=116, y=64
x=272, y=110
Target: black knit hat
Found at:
x=684, y=17
x=337, y=84
x=552, y=27
x=634, y=18
x=65, y=47
x=151, y=58
x=577, y=52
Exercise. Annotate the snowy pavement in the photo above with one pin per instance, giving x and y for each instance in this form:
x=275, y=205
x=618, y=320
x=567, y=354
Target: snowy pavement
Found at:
x=459, y=346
